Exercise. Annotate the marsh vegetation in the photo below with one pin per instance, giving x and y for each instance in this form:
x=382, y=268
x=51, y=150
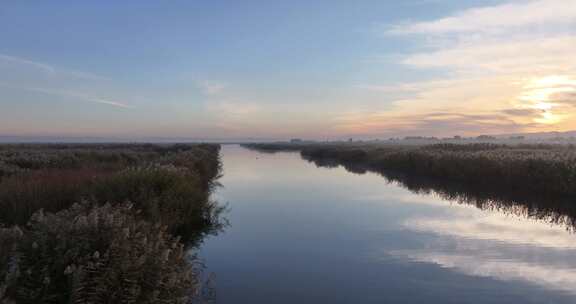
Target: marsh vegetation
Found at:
x=538, y=180
x=105, y=223
x=549, y=169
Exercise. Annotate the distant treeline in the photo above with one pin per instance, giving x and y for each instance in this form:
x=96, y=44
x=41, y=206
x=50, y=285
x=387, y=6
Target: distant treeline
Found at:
x=542, y=169
x=105, y=223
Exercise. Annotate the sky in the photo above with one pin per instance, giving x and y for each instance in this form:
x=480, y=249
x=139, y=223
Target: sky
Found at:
x=323, y=69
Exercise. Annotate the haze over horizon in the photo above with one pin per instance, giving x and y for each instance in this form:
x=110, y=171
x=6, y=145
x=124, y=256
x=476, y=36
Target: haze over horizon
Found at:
x=263, y=69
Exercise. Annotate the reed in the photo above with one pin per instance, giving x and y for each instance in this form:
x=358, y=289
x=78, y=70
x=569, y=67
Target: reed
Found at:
x=96, y=254
x=141, y=207
x=548, y=169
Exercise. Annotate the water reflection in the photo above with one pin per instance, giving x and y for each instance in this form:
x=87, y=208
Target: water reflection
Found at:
x=305, y=234
x=553, y=210
x=561, y=277
x=499, y=244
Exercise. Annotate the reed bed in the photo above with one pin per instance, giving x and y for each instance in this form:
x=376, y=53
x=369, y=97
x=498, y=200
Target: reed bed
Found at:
x=105, y=223
x=543, y=169
x=535, y=181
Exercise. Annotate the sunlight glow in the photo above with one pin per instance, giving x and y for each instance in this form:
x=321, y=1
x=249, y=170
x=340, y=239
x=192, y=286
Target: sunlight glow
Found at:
x=541, y=94
x=548, y=118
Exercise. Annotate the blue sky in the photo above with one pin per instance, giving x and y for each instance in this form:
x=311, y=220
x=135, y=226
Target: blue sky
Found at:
x=277, y=69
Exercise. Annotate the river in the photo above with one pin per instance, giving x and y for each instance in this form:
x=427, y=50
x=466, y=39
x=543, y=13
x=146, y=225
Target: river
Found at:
x=300, y=233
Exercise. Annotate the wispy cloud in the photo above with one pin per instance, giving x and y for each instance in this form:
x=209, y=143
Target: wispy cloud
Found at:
x=18, y=60
x=211, y=88
x=520, y=38
x=48, y=68
x=542, y=13
x=522, y=112
x=236, y=109
x=108, y=102
x=56, y=79
x=82, y=96
x=74, y=95
x=536, y=54
x=431, y=124
x=514, y=62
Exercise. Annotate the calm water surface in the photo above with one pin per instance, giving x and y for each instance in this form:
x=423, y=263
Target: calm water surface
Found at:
x=302, y=234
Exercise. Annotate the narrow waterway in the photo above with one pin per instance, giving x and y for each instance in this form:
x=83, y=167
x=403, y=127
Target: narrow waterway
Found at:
x=303, y=234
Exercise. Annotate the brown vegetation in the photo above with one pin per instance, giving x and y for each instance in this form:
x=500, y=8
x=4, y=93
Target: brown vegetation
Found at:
x=549, y=169
x=536, y=181
x=122, y=242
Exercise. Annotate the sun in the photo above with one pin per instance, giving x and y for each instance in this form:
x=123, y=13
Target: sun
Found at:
x=548, y=118
x=540, y=93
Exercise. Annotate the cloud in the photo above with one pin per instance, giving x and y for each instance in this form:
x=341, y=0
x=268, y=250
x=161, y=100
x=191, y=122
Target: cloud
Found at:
x=512, y=63
x=430, y=124
x=565, y=98
x=211, y=88
x=507, y=16
x=57, y=82
x=522, y=55
x=81, y=96
x=536, y=37
x=472, y=105
x=522, y=112
x=256, y=117
x=234, y=109
x=49, y=69
x=393, y=88
x=109, y=102
x=22, y=61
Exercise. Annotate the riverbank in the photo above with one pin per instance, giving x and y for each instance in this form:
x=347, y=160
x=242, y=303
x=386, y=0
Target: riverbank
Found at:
x=105, y=223
x=542, y=169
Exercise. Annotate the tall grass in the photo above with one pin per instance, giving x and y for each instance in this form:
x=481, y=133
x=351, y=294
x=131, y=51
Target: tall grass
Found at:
x=549, y=169
x=97, y=254
x=173, y=196
x=174, y=186
x=125, y=243
x=20, y=158
x=51, y=189
x=536, y=181
x=555, y=210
